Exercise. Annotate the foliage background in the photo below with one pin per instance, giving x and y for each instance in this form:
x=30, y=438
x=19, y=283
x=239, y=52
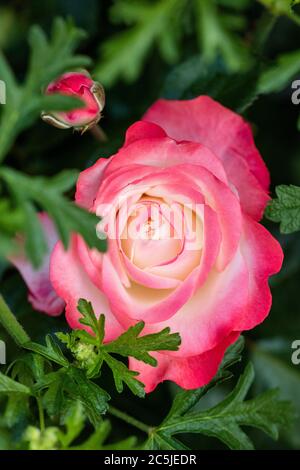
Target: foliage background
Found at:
x=142, y=50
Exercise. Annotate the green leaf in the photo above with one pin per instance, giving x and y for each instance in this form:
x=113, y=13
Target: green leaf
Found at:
x=11, y=218
x=286, y=208
x=90, y=351
x=271, y=371
x=93, y=398
x=215, y=38
x=8, y=77
x=35, y=243
x=17, y=409
x=8, y=385
x=160, y=441
x=280, y=75
x=47, y=193
x=74, y=420
x=54, y=398
x=131, y=344
x=55, y=102
x=224, y=420
x=95, y=441
x=49, y=58
x=122, y=374
x=51, y=351
x=124, y=54
x=90, y=319
x=187, y=399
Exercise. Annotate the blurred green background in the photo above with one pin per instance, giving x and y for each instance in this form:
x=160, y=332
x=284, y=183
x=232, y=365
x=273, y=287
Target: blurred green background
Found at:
x=243, y=53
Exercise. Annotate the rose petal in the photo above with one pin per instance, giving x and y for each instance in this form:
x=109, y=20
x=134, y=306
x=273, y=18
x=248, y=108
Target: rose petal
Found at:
x=41, y=293
x=189, y=373
x=71, y=282
x=224, y=132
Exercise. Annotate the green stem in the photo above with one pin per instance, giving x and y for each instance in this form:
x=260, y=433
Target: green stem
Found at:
x=11, y=324
x=129, y=420
x=41, y=414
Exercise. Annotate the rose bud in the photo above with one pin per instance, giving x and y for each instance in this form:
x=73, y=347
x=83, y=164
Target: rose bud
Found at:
x=79, y=85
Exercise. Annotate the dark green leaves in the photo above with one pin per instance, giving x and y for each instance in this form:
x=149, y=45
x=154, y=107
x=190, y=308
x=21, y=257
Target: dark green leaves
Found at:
x=286, y=208
x=124, y=54
x=216, y=36
x=51, y=351
x=49, y=58
x=90, y=351
x=187, y=399
x=47, y=193
x=72, y=431
x=160, y=24
x=224, y=420
x=93, y=398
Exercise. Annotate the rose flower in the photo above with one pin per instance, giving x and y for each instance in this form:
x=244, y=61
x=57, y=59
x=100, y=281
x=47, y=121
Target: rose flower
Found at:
x=180, y=204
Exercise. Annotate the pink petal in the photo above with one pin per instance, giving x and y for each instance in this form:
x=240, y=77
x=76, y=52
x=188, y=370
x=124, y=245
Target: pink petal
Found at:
x=71, y=282
x=88, y=183
x=224, y=132
x=41, y=293
x=187, y=372
x=141, y=130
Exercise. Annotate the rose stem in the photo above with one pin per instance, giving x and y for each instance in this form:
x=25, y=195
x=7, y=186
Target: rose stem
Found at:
x=98, y=133
x=11, y=324
x=129, y=420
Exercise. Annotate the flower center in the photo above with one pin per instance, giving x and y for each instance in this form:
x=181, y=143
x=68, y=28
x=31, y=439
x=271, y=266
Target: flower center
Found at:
x=150, y=238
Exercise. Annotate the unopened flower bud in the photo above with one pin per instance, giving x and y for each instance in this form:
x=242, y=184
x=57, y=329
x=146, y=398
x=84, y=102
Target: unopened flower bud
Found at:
x=79, y=85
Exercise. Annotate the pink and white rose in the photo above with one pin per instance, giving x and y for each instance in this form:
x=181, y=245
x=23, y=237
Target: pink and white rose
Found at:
x=181, y=202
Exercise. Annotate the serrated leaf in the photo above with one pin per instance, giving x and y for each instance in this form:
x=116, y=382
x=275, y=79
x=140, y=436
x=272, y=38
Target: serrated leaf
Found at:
x=187, y=399
x=223, y=421
x=122, y=374
x=272, y=370
x=8, y=385
x=49, y=58
x=89, y=319
x=47, y=193
x=124, y=54
x=93, y=398
x=215, y=38
x=51, y=351
x=131, y=344
x=286, y=208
